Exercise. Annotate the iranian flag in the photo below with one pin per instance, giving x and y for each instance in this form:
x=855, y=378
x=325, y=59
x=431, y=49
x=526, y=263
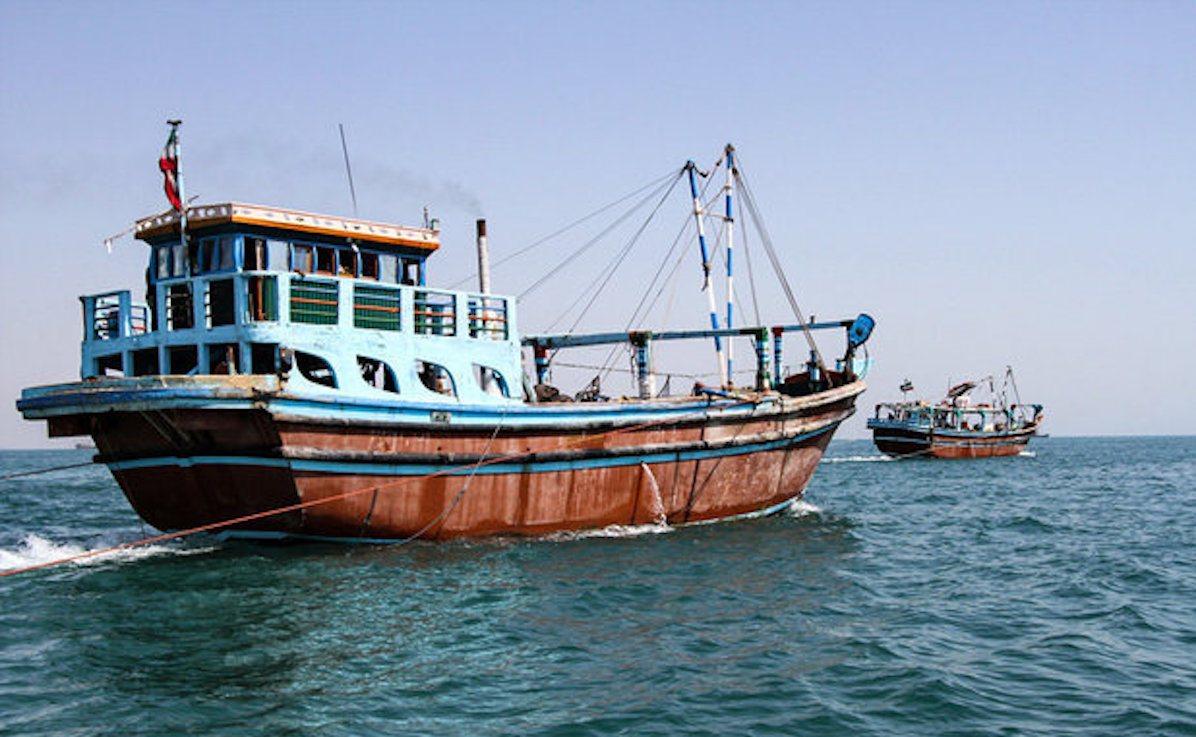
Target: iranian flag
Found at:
x=169, y=164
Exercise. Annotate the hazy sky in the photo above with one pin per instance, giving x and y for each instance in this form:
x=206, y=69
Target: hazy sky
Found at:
x=997, y=183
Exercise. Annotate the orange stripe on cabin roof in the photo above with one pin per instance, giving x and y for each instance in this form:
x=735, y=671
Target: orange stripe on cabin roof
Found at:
x=293, y=220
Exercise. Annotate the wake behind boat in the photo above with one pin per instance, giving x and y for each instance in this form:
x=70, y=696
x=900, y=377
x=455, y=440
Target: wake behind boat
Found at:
x=957, y=426
x=292, y=374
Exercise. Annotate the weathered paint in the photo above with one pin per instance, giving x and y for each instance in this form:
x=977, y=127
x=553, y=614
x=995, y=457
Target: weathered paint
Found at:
x=536, y=470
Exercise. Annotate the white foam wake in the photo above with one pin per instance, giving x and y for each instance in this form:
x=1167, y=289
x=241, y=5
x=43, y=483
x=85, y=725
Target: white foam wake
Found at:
x=859, y=459
x=613, y=531
x=802, y=508
x=35, y=550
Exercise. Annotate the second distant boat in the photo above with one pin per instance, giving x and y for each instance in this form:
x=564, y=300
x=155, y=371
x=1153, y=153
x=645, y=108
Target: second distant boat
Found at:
x=958, y=426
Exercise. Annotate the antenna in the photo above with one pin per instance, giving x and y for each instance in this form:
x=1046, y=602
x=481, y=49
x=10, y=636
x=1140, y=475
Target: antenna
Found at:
x=348, y=169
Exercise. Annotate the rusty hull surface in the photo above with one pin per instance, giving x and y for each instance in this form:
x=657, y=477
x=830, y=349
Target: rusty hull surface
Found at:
x=189, y=467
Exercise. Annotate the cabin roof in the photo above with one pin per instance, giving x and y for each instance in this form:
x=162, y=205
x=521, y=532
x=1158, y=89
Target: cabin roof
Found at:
x=292, y=222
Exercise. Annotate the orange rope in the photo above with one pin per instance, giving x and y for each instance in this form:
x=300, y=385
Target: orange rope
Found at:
x=347, y=494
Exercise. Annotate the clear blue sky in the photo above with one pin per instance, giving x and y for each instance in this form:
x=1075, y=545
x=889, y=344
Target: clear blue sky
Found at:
x=997, y=183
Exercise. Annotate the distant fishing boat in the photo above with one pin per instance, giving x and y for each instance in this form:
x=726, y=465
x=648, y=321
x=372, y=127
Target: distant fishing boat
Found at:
x=958, y=426
x=291, y=374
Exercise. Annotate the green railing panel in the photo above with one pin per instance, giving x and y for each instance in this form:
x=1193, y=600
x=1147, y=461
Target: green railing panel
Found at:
x=376, y=308
x=314, y=302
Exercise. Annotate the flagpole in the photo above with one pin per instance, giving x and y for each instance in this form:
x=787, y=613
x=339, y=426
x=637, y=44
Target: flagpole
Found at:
x=178, y=175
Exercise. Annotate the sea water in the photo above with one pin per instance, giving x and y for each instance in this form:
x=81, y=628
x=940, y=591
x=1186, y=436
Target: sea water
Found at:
x=1052, y=593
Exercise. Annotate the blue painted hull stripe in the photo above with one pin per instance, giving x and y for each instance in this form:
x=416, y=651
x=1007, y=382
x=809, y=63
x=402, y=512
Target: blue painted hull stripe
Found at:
x=422, y=469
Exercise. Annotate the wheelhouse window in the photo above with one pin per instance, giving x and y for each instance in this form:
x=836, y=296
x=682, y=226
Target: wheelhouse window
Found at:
x=217, y=254
x=315, y=369
x=301, y=258
x=346, y=262
x=325, y=260
x=413, y=271
x=178, y=260
x=388, y=268
x=255, y=254
x=369, y=265
x=278, y=252
x=377, y=373
x=162, y=259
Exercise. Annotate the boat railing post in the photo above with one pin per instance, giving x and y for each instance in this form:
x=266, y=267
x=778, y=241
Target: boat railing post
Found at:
x=199, y=297
x=778, y=342
x=540, y=355
x=762, y=370
x=407, y=310
x=89, y=318
x=645, y=377
x=124, y=301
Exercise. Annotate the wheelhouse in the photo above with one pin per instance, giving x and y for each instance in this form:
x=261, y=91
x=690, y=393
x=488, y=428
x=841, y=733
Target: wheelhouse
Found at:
x=333, y=304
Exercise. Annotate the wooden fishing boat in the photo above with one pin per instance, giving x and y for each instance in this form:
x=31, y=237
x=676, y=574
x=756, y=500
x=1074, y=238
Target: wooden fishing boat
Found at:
x=292, y=374
x=957, y=426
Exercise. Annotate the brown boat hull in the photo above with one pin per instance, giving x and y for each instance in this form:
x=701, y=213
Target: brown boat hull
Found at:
x=902, y=443
x=258, y=473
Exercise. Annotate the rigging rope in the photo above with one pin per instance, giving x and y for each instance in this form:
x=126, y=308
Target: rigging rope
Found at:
x=590, y=244
x=622, y=256
x=499, y=262
x=44, y=470
x=750, y=205
x=636, y=314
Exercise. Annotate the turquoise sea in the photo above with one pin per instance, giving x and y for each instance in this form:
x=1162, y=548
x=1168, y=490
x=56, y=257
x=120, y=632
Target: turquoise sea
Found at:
x=1052, y=593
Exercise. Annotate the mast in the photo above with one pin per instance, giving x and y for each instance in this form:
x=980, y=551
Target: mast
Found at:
x=707, y=287
x=730, y=249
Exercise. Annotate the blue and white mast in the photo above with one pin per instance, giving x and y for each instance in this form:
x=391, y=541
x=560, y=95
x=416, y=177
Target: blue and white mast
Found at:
x=730, y=248
x=707, y=287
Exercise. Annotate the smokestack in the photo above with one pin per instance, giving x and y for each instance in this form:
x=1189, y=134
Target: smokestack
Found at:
x=483, y=259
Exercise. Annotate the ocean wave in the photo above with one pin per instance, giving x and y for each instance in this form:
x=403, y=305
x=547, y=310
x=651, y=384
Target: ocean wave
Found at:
x=35, y=550
x=802, y=508
x=612, y=531
x=859, y=459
